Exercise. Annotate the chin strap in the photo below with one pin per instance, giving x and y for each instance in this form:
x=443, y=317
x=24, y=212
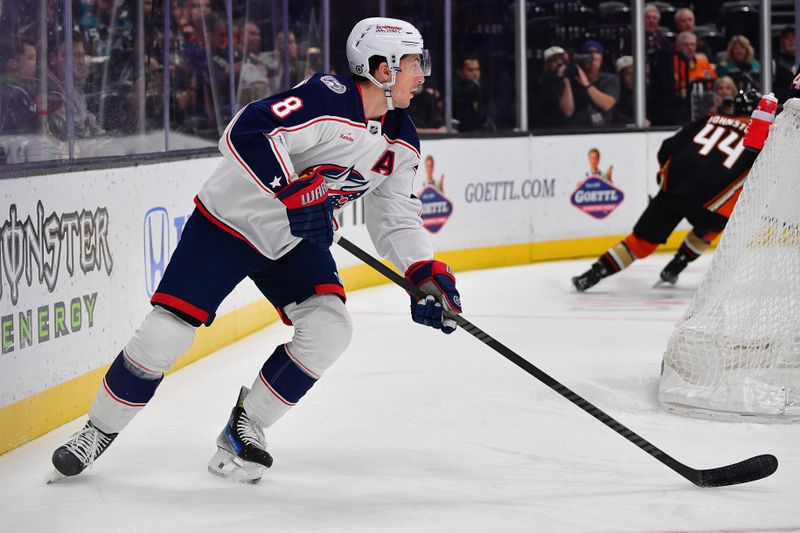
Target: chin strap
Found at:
x=389, y=101
x=387, y=88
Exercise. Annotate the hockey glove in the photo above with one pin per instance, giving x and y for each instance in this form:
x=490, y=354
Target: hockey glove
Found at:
x=309, y=210
x=437, y=281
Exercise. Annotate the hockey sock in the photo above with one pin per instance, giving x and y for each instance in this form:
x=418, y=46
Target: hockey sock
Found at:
x=281, y=383
x=122, y=395
x=693, y=245
x=621, y=255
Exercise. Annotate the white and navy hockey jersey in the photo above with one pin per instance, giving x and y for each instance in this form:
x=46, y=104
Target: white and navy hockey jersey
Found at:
x=320, y=122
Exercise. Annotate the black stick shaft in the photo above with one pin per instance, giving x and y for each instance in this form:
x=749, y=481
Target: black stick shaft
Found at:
x=721, y=476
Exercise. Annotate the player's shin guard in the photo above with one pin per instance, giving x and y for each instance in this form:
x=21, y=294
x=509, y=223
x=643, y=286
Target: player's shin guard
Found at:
x=692, y=247
x=123, y=393
x=137, y=371
x=283, y=380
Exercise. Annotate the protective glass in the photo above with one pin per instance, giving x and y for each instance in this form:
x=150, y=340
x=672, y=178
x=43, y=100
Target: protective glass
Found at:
x=418, y=68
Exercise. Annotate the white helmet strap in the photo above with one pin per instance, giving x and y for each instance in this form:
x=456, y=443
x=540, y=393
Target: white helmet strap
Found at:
x=387, y=87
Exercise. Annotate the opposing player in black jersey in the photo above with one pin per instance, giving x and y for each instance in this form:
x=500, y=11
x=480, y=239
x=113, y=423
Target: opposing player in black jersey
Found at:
x=702, y=170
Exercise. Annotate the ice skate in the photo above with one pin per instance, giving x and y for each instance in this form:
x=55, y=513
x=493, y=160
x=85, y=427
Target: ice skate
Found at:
x=674, y=268
x=590, y=278
x=80, y=451
x=241, y=447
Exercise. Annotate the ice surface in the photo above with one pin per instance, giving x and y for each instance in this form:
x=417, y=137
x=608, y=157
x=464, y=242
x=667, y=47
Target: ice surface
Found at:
x=416, y=431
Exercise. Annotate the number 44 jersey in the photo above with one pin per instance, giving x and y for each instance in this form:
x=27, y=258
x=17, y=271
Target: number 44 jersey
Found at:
x=706, y=162
x=318, y=126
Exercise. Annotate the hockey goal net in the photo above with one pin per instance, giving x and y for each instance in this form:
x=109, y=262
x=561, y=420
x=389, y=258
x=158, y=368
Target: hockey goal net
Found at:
x=735, y=354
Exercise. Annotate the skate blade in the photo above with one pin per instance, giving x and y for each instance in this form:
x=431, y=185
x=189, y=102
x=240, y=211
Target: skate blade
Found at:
x=226, y=465
x=53, y=476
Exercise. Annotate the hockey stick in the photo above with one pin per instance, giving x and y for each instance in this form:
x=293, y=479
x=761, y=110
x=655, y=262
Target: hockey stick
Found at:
x=751, y=469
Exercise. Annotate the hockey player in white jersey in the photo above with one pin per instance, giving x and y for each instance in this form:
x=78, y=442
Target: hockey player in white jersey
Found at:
x=265, y=213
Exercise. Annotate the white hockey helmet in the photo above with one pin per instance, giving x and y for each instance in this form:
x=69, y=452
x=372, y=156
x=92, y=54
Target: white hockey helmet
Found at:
x=388, y=38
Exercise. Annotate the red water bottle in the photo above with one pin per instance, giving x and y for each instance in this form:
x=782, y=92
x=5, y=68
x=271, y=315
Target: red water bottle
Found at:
x=760, y=120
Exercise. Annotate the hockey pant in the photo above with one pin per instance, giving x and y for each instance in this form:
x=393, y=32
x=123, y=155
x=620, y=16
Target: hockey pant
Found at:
x=656, y=224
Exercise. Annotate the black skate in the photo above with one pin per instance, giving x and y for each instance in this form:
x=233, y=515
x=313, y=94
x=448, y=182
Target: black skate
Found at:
x=81, y=451
x=241, y=447
x=590, y=278
x=674, y=268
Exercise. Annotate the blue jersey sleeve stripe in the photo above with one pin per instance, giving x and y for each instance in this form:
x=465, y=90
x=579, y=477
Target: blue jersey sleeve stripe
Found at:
x=242, y=162
x=248, y=143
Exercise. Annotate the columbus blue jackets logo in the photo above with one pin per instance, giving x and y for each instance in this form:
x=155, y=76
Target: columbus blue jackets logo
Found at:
x=344, y=184
x=333, y=84
x=436, y=208
x=596, y=197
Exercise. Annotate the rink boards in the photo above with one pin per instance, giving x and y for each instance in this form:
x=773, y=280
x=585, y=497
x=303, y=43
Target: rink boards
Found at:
x=81, y=252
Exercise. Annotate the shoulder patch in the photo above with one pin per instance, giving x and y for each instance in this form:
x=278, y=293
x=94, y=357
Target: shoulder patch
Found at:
x=333, y=84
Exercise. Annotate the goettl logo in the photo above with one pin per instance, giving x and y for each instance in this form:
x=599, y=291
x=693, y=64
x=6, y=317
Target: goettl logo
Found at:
x=597, y=197
x=33, y=251
x=436, y=209
x=161, y=234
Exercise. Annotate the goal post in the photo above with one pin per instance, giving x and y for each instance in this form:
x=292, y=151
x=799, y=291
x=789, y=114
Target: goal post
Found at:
x=735, y=353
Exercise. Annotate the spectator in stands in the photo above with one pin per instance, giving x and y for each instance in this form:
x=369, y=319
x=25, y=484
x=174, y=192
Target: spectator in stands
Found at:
x=659, y=75
x=652, y=22
x=553, y=101
x=192, y=20
x=467, y=97
x=693, y=72
x=594, y=92
x=195, y=111
x=18, y=87
x=426, y=111
x=85, y=122
x=296, y=69
x=784, y=63
x=220, y=69
x=107, y=27
x=257, y=71
x=313, y=61
x=685, y=21
x=725, y=91
x=740, y=64
x=623, y=111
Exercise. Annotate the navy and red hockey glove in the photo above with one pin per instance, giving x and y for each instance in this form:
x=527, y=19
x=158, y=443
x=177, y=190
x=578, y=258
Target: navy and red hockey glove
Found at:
x=436, y=280
x=309, y=210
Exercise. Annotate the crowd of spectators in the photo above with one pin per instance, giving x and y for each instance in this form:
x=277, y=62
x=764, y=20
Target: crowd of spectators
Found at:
x=118, y=66
x=683, y=61
x=116, y=91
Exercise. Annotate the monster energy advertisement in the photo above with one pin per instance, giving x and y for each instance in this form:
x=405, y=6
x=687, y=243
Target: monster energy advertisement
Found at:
x=42, y=249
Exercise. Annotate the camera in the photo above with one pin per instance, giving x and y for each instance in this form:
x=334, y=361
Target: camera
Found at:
x=579, y=60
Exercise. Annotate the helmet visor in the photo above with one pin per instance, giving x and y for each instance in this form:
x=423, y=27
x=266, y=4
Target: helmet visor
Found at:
x=416, y=64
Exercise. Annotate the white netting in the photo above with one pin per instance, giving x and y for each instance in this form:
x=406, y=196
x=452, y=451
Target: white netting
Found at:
x=736, y=351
